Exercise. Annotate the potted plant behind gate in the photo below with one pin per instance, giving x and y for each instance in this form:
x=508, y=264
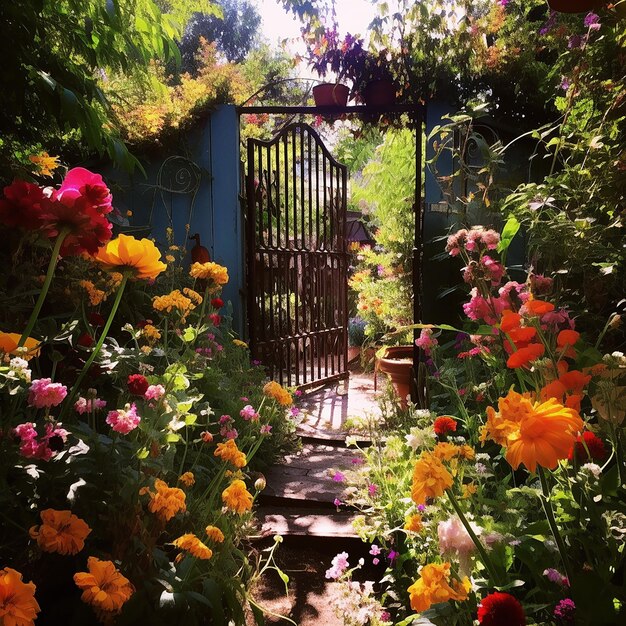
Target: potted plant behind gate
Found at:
x=397, y=362
x=356, y=337
x=375, y=84
x=343, y=58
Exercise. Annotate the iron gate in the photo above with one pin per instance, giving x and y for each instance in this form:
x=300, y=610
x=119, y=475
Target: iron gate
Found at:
x=296, y=258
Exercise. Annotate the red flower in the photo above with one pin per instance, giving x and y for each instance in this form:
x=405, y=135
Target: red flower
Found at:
x=90, y=186
x=500, y=609
x=594, y=444
x=96, y=320
x=444, y=424
x=85, y=340
x=217, y=303
x=215, y=318
x=137, y=384
x=525, y=355
x=21, y=205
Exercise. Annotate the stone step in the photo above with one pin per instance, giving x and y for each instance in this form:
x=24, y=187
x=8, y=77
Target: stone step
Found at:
x=303, y=522
x=308, y=474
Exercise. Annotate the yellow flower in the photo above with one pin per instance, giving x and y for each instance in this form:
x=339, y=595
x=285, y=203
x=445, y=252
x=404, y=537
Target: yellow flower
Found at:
x=210, y=271
x=167, y=501
x=8, y=345
x=18, y=606
x=278, y=393
x=534, y=433
x=104, y=587
x=434, y=586
x=229, y=451
x=45, y=163
x=445, y=451
x=150, y=333
x=61, y=532
x=430, y=478
x=236, y=497
x=469, y=490
x=239, y=343
x=190, y=543
x=169, y=258
x=215, y=534
x=413, y=523
x=194, y=296
x=96, y=296
x=140, y=256
x=187, y=479
x=173, y=300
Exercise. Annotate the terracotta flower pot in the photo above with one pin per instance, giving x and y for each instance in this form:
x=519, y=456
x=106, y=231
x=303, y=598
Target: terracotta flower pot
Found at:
x=379, y=93
x=397, y=364
x=330, y=95
x=574, y=6
x=353, y=353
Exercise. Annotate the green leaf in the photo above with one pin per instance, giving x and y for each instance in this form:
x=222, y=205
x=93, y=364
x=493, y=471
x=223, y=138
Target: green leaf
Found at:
x=509, y=231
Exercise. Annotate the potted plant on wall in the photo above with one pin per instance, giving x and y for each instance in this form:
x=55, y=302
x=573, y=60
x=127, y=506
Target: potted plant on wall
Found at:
x=374, y=83
x=344, y=58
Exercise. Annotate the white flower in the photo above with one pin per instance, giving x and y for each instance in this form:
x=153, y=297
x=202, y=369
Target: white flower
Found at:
x=593, y=469
x=350, y=441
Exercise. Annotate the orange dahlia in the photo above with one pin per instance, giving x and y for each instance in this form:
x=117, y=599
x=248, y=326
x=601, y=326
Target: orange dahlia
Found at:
x=430, y=478
x=278, y=393
x=140, y=256
x=61, y=532
x=190, y=543
x=215, y=534
x=104, y=587
x=167, y=501
x=18, y=606
x=435, y=585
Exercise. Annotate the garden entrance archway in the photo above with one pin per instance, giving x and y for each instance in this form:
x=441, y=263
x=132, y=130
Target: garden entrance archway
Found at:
x=297, y=260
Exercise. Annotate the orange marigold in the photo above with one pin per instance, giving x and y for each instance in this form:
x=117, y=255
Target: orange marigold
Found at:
x=18, y=606
x=228, y=451
x=278, y=393
x=413, y=523
x=236, y=497
x=167, y=501
x=430, y=478
x=215, y=534
x=104, y=587
x=210, y=271
x=187, y=479
x=434, y=586
x=60, y=531
x=534, y=433
x=190, y=543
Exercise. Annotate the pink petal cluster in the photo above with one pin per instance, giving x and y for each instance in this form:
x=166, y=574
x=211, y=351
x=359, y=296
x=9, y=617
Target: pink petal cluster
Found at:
x=426, y=341
x=124, y=420
x=479, y=309
x=43, y=393
x=154, y=392
x=473, y=240
x=88, y=405
x=454, y=538
x=33, y=447
x=339, y=565
x=248, y=413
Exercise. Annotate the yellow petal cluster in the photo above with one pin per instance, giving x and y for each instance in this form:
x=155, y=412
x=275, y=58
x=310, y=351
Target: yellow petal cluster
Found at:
x=60, y=531
x=190, y=543
x=125, y=253
x=278, y=393
x=430, y=478
x=173, y=300
x=167, y=501
x=236, y=497
x=215, y=534
x=413, y=523
x=214, y=272
x=228, y=451
x=534, y=433
x=434, y=586
x=104, y=587
x=187, y=479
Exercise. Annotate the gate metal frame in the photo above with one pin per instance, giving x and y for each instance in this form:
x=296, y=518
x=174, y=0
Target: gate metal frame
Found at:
x=417, y=115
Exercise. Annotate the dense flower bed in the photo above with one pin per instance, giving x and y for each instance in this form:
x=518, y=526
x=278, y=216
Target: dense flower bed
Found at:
x=132, y=423
x=503, y=504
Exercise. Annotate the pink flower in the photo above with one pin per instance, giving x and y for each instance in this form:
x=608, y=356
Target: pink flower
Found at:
x=225, y=419
x=337, y=502
x=375, y=561
x=338, y=477
x=426, y=341
x=375, y=550
x=248, y=413
x=229, y=433
x=455, y=242
x=88, y=405
x=44, y=393
x=266, y=429
x=154, y=392
x=339, y=565
x=52, y=441
x=512, y=294
x=480, y=309
x=294, y=411
x=494, y=270
x=454, y=538
x=372, y=489
x=124, y=420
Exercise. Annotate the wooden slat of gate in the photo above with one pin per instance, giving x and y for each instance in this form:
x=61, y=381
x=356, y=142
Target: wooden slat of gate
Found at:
x=297, y=258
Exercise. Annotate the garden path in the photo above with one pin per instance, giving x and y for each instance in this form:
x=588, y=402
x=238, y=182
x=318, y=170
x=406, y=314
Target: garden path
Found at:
x=299, y=504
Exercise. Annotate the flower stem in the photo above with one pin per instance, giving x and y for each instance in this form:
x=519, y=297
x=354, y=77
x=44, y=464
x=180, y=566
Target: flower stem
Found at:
x=491, y=568
x=96, y=350
x=547, y=508
x=45, y=287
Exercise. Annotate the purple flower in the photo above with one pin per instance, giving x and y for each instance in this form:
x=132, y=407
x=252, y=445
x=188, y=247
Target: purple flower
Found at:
x=421, y=508
x=357, y=460
x=338, y=477
x=294, y=411
x=575, y=41
x=337, y=502
x=392, y=556
x=592, y=21
x=375, y=561
x=503, y=3
x=372, y=489
x=565, y=84
x=549, y=24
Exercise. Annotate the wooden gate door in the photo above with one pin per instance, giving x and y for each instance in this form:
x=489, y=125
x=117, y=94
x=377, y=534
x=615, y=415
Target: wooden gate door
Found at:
x=297, y=260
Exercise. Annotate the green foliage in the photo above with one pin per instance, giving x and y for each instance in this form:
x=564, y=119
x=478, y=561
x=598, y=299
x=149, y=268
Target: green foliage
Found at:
x=54, y=53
